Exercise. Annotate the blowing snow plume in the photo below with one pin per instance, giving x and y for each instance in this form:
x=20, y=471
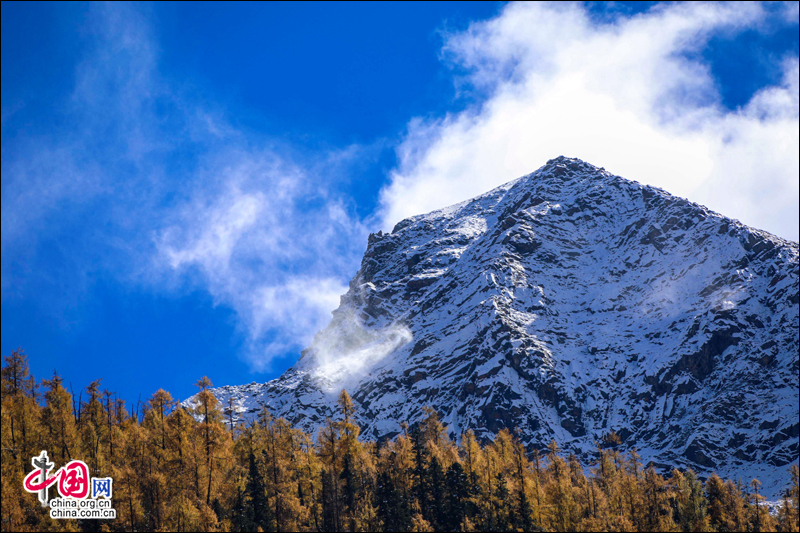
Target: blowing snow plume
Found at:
x=347, y=350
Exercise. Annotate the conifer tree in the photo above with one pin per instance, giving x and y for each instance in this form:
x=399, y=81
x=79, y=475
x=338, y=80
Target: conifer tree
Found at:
x=436, y=493
x=658, y=515
x=329, y=502
x=309, y=486
x=21, y=439
x=715, y=495
x=386, y=502
x=538, y=492
x=759, y=518
x=19, y=401
x=457, y=492
x=59, y=421
x=690, y=504
x=209, y=429
x=156, y=489
x=258, y=512
x=734, y=503
x=471, y=454
x=394, y=488
x=421, y=482
x=94, y=429
x=559, y=492
x=786, y=519
x=503, y=506
x=789, y=516
x=155, y=413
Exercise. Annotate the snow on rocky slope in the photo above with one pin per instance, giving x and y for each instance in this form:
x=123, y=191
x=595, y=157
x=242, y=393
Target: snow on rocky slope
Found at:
x=568, y=303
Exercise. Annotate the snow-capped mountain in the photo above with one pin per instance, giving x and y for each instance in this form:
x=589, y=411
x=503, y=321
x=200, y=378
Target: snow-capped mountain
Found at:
x=568, y=303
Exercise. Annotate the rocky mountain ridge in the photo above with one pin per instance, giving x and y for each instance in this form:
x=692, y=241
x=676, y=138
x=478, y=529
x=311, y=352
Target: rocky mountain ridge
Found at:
x=568, y=303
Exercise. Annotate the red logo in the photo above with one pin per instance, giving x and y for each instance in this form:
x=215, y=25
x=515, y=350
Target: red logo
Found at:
x=33, y=486
x=73, y=478
x=74, y=482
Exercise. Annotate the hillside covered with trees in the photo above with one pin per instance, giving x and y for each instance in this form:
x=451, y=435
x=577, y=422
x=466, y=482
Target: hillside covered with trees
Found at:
x=176, y=470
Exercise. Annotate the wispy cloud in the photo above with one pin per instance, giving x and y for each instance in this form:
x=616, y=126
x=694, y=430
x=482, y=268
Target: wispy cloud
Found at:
x=270, y=243
x=149, y=182
x=631, y=94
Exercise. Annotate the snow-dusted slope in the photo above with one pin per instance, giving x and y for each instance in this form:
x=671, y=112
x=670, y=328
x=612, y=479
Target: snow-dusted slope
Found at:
x=568, y=303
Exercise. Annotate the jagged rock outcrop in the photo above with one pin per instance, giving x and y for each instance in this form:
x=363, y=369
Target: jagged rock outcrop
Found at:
x=568, y=303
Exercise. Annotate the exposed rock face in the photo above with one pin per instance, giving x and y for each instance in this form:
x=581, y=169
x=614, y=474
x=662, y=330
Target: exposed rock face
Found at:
x=568, y=303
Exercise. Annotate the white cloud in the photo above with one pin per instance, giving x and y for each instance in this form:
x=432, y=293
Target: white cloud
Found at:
x=268, y=242
x=633, y=96
x=152, y=184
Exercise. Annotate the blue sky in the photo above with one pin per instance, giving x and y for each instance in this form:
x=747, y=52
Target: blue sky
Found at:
x=188, y=188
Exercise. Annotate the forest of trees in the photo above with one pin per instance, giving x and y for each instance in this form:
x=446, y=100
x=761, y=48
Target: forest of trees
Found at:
x=181, y=470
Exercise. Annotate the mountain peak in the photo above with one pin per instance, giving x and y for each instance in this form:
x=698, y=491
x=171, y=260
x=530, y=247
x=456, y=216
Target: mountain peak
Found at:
x=566, y=304
x=573, y=163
